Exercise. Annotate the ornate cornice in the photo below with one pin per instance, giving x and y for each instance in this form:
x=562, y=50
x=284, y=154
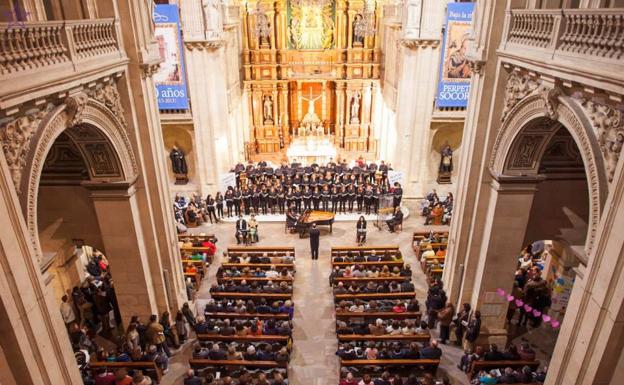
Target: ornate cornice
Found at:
x=149, y=69
x=419, y=43
x=200, y=45
x=608, y=125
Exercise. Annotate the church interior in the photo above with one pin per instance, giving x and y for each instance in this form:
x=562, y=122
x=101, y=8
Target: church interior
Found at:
x=311, y=192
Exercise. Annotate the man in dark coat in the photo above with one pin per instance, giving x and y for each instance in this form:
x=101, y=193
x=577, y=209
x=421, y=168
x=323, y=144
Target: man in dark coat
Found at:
x=315, y=234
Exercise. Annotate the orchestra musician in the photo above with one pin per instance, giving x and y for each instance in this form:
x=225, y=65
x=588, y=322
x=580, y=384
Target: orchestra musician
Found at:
x=395, y=220
x=241, y=230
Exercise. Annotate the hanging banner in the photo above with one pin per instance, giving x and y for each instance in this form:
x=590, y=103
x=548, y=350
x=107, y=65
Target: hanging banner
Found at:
x=170, y=78
x=455, y=73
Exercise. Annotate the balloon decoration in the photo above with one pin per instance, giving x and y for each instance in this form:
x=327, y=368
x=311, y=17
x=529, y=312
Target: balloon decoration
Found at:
x=527, y=308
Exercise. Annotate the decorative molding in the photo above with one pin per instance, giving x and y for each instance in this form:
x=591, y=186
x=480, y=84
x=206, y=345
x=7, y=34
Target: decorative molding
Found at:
x=75, y=108
x=551, y=100
x=200, y=45
x=16, y=136
x=419, y=43
x=108, y=95
x=149, y=69
x=477, y=66
x=519, y=85
x=608, y=125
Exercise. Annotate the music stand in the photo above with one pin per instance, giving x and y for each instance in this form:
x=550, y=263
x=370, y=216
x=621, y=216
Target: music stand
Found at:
x=385, y=210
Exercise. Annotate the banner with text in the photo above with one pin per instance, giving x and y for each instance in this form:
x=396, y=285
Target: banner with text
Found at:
x=455, y=73
x=170, y=78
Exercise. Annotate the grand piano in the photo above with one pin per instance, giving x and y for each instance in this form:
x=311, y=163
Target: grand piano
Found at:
x=321, y=218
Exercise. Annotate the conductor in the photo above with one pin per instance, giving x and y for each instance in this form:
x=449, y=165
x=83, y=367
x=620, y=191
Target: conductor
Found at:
x=397, y=219
x=315, y=234
x=241, y=230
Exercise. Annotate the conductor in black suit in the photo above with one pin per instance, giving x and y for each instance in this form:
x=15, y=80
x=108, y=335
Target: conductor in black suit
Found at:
x=315, y=234
x=241, y=230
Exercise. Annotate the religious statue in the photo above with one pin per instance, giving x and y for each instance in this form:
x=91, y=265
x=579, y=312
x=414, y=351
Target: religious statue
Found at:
x=446, y=159
x=355, y=108
x=178, y=161
x=359, y=30
x=267, y=109
x=263, y=29
x=212, y=19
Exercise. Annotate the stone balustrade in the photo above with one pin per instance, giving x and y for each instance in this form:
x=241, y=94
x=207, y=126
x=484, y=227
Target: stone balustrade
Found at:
x=591, y=34
x=40, y=53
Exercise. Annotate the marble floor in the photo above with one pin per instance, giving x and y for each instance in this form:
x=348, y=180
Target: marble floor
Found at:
x=313, y=359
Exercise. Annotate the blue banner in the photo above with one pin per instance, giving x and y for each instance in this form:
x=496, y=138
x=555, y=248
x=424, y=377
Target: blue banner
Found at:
x=170, y=78
x=455, y=73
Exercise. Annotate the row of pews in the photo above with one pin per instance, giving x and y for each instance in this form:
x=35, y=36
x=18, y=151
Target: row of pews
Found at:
x=196, y=252
x=349, y=309
x=245, y=294
x=430, y=249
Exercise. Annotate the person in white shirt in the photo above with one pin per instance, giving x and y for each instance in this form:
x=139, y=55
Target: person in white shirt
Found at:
x=67, y=312
x=272, y=273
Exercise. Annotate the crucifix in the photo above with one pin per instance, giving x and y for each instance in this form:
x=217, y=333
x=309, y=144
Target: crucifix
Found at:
x=311, y=102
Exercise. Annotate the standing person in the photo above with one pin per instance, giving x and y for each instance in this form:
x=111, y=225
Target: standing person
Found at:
x=219, y=202
x=361, y=230
x=238, y=197
x=397, y=195
x=155, y=335
x=229, y=201
x=335, y=198
x=315, y=234
x=325, y=197
x=210, y=208
x=246, y=199
x=473, y=329
x=67, y=312
x=241, y=230
x=461, y=322
x=445, y=316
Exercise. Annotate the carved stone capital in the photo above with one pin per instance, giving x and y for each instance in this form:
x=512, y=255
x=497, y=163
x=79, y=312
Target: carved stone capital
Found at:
x=477, y=66
x=200, y=45
x=75, y=107
x=149, y=69
x=608, y=125
x=419, y=43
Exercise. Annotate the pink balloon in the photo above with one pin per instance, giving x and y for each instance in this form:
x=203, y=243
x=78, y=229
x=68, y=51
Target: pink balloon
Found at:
x=546, y=318
x=555, y=324
x=510, y=298
x=519, y=302
x=527, y=308
x=500, y=292
x=537, y=313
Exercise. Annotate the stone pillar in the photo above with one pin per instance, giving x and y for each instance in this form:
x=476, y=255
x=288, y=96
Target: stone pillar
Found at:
x=473, y=190
x=33, y=338
x=340, y=112
x=508, y=214
x=119, y=219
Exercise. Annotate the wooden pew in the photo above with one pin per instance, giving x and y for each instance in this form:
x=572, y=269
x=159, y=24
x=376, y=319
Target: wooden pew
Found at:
x=146, y=367
x=379, y=249
x=427, y=365
x=390, y=264
x=378, y=314
x=197, y=363
x=434, y=246
x=279, y=316
x=254, y=279
x=279, y=251
x=242, y=339
x=419, y=236
x=253, y=266
x=352, y=297
x=386, y=337
x=477, y=366
x=203, y=266
x=268, y=296
x=195, y=277
x=369, y=279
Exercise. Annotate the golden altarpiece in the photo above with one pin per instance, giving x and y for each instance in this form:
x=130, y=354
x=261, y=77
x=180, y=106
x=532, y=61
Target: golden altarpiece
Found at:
x=311, y=69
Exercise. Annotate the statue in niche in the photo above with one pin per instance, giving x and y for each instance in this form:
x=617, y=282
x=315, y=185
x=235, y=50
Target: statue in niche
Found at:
x=263, y=29
x=446, y=159
x=267, y=109
x=212, y=18
x=178, y=161
x=355, y=108
x=359, y=30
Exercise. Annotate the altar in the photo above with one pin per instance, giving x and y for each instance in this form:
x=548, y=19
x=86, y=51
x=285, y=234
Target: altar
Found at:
x=311, y=149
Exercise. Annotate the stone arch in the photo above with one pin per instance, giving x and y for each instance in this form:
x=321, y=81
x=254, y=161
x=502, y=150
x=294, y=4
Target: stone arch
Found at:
x=100, y=136
x=525, y=133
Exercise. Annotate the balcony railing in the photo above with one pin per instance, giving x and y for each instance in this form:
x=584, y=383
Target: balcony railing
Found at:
x=592, y=34
x=57, y=49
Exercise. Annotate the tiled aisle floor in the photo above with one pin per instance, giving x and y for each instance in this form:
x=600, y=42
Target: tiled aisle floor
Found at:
x=313, y=360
